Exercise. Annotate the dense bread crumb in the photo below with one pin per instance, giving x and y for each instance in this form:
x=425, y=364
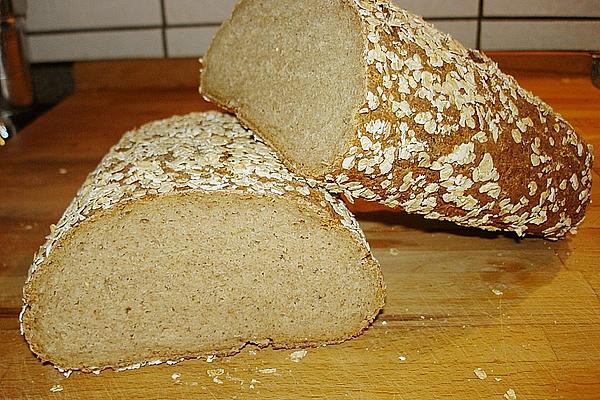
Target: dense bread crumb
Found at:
x=441, y=130
x=191, y=239
x=306, y=129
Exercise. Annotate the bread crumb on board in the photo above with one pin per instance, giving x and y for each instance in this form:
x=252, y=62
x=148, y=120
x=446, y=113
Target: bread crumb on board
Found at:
x=253, y=383
x=298, y=355
x=215, y=374
x=510, y=395
x=267, y=370
x=480, y=373
x=56, y=388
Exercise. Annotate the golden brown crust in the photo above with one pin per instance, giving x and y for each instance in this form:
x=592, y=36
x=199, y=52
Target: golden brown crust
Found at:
x=446, y=134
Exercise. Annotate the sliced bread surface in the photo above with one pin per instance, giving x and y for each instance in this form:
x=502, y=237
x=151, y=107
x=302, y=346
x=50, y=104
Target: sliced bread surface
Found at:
x=375, y=103
x=192, y=239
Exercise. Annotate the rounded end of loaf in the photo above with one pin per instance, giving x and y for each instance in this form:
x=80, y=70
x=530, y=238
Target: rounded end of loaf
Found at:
x=293, y=71
x=194, y=274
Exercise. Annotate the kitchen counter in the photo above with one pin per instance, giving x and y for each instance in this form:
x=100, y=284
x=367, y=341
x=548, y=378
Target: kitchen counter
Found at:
x=527, y=312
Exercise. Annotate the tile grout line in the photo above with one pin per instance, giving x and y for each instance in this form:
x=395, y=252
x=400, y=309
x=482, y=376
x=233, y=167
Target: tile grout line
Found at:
x=539, y=18
x=180, y=25
x=128, y=28
x=92, y=30
x=215, y=24
x=479, y=22
x=163, y=29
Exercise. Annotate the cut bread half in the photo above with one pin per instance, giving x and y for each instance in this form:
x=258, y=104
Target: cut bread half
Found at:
x=191, y=239
x=295, y=70
x=375, y=103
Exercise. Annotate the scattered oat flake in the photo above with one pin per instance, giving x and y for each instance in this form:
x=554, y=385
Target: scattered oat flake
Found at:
x=215, y=374
x=253, y=383
x=298, y=355
x=210, y=358
x=384, y=323
x=481, y=374
x=62, y=171
x=510, y=395
x=402, y=358
x=267, y=370
x=497, y=379
x=175, y=376
x=497, y=292
x=56, y=388
x=234, y=379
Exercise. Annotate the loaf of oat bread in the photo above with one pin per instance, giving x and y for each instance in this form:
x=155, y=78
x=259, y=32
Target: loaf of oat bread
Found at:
x=191, y=239
x=375, y=103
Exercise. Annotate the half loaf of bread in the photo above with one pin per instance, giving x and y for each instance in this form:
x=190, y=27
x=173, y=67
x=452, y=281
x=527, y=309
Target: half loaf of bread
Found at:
x=192, y=239
x=376, y=103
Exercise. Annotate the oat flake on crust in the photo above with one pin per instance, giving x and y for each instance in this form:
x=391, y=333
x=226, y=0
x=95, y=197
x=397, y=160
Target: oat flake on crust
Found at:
x=424, y=87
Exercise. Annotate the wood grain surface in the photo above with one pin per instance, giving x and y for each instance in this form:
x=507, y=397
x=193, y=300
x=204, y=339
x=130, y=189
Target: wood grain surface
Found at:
x=526, y=312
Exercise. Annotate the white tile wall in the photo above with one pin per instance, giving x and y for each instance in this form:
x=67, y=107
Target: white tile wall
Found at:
x=190, y=25
x=49, y=15
x=542, y=8
x=19, y=7
x=197, y=12
x=441, y=8
x=540, y=35
x=146, y=43
x=189, y=42
x=463, y=31
x=211, y=11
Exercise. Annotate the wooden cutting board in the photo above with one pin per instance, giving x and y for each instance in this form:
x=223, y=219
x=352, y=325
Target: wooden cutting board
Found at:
x=526, y=312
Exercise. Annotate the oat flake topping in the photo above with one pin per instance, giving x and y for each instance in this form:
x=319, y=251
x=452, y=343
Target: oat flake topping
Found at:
x=444, y=133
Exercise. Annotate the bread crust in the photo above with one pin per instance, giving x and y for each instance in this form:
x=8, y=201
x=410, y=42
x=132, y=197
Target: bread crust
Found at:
x=444, y=133
x=159, y=159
